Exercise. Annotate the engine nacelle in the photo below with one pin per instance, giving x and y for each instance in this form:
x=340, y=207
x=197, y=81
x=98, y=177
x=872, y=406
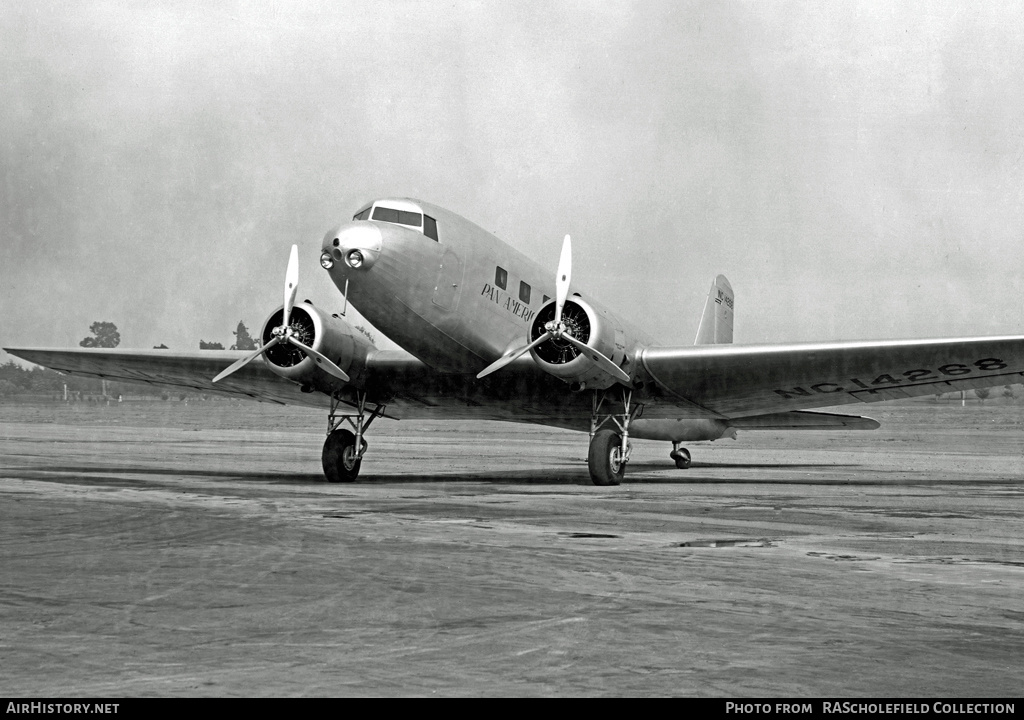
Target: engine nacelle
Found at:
x=329, y=335
x=566, y=361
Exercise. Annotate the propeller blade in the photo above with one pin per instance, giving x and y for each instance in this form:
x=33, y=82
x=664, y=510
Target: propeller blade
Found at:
x=322, y=360
x=291, y=284
x=506, y=359
x=246, y=360
x=607, y=365
x=563, y=278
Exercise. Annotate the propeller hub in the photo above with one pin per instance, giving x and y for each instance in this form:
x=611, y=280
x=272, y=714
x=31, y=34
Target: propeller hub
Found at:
x=556, y=328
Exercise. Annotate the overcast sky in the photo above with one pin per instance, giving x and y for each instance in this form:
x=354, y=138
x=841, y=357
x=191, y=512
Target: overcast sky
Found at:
x=853, y=168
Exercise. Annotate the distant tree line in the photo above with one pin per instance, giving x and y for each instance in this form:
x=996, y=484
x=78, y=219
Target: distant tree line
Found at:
x=1006, y=393
x=243, y=340
x=18, y=380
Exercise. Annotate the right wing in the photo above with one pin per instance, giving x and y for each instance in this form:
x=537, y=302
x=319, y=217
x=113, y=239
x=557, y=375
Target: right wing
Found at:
x=409, y=388
x=187, y=371
x=730, y=381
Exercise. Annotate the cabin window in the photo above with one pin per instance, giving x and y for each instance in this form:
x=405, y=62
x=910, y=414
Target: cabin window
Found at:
x=430, y=227
x=500, y=277
x=401, y=217
x=524, y=292
x=363, y=214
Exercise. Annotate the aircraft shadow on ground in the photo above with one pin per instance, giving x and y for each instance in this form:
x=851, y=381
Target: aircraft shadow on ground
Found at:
x=659, y=465
x=116, y=476
x=667, y=474
x=494, y=477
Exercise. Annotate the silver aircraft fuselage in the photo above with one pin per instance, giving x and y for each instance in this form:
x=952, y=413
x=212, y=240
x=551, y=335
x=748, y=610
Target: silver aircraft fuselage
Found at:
x=441, y=300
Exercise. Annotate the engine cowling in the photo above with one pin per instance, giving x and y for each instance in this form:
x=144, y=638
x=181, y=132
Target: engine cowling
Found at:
x=566, y=361
x=329, y=335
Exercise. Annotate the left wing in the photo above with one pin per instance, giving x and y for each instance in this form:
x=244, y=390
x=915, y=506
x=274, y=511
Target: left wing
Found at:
x=727, y=381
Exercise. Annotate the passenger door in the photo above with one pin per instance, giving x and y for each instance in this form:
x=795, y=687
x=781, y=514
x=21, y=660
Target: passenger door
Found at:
x=449, y=281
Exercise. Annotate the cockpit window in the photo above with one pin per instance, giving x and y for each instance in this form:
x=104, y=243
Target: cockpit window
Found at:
x=402, y=217
x=409, y=218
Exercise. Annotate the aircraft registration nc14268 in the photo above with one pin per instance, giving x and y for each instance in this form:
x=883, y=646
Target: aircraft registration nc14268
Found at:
x=490, y=334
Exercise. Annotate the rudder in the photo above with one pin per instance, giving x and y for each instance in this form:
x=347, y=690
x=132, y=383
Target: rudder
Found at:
x=716, y=323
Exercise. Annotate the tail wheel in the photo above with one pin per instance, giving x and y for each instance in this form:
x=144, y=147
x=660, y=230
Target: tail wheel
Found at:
x=605, y=459
x=340, y=461
x=682, y=458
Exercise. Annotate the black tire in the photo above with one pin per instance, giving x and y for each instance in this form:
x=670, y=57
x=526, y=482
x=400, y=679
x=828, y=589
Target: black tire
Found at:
x=603, y=460
x=682, y=458
x=339, y=458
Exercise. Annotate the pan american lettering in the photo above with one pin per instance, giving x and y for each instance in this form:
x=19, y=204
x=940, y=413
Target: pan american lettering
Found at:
x=505, y=300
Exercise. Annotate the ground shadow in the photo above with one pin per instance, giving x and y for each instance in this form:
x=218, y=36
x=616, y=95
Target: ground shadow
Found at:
x=115, y=476
x=640, y=473
x=493, y=477
x=100, y=476
x=667, y=465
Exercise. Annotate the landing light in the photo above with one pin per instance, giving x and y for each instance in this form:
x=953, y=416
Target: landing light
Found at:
x=326, y=261
x=354, y=258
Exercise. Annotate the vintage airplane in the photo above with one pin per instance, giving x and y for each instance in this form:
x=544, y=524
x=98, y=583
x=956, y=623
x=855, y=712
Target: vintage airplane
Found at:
x=488, y=334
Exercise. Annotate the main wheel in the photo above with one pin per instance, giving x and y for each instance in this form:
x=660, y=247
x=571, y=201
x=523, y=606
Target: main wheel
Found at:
x=341, y=464
x=605, y=458
x=682, y=458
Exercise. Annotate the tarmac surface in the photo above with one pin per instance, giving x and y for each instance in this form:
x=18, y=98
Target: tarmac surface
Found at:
x=172, y=549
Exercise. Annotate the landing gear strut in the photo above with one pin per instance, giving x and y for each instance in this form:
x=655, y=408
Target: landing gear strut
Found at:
x=610, y=446
x=681, y=455
x=343, y=450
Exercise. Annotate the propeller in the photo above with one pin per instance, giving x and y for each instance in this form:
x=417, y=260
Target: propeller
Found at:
x=284, y=332
x=556, y=329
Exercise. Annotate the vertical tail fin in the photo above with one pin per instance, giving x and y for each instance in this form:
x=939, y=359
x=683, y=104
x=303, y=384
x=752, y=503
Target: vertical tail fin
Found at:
x=716, y=322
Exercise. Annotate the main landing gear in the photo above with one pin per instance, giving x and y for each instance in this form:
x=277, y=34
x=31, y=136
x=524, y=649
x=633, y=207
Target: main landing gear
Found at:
x=610, y=446
x=343, y=450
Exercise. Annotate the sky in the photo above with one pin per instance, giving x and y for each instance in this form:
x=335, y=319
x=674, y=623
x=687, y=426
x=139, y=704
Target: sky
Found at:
x=853, y=168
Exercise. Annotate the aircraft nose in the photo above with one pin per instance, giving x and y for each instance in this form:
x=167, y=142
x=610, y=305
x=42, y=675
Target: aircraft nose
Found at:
x=355, y=245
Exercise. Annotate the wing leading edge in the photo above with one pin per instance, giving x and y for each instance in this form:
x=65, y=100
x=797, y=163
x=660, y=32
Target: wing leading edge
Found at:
x=740, y=380
x=188, y=371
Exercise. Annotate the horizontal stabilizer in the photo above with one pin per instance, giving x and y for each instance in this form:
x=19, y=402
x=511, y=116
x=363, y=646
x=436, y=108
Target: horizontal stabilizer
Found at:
x=716, y=323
